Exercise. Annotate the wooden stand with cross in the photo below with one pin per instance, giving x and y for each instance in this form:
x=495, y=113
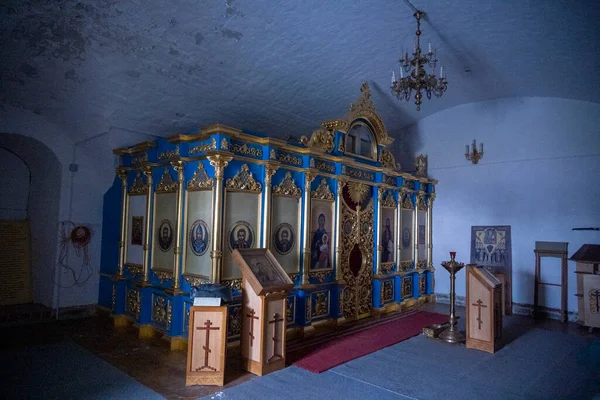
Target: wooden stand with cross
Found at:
x=264, y=292
x=484, y=310
x=207, y=342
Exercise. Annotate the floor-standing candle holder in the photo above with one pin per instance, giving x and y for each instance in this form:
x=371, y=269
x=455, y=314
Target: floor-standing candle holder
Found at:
x=452, y=335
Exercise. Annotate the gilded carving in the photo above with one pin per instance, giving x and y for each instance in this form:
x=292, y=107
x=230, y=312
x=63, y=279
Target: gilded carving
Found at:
x=321, y=304
x=167, y=155
x=311, y=163
x=163, y=276
x=422, y=284
x=213, y=144
x=289, y=159
x=323, y=166
x=167, y=184
x=246, y=150
x=202, y=148
x=358, y=174
x=219, y=163
x=159, y=309
x=243, y=181
x=135, y=269
x=139, y=187
x=407, y=203
x=195, y=280
x=422, y=264
x=408, y=184
x=407, y=286
x=308, y=308
x=323, y=192
x=234, y=327
x=139, y=159
x=269, y=172
x=273, y=154
x=322, y=276
x=224, y=144
x=287, y=187
x=421, y=165
x=234, y=284
x=341, y=145
x=421, y=206
x=431, y=199
x=294, y=277
x=169, y=315
x=358, y=191
x=387, y=292
x=200, y=180
x=321, y=139
x=290, y=307
x=406, y=265
x=387, y=268
x=388, y=200
x=389, y=180
x=133, y=302
x=387, y=160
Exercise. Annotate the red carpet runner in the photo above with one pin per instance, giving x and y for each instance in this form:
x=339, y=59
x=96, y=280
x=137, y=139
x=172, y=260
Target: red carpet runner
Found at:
x=338, y=351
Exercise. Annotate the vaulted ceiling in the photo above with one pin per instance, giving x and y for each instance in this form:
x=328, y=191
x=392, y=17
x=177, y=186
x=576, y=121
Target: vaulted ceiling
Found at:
x=280, y=67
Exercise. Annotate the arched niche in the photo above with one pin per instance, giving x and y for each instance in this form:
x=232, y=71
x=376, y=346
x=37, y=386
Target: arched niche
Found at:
x=42, y=209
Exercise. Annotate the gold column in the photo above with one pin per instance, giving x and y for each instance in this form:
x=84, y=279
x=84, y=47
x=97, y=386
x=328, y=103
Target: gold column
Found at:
x=416, y=231
x=269, y=172
x=341, y=183
x=430, y=231
x=146, y=265
x=379, y=247
x=178, y=166
x=122, y=173
x=308, y=178
x=219, y=162
x=398, y=231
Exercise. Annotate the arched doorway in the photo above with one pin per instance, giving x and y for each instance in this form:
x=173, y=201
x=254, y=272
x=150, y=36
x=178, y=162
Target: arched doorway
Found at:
x=30, y=183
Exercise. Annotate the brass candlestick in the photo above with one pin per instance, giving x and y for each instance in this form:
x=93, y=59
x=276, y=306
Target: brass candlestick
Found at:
x=452, y=335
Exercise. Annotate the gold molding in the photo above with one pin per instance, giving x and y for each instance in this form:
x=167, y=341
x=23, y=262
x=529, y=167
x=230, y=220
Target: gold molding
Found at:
x=246, y=150
x=287, y=187
x=243, y=181
x=138, y=148
x=323, y=192
x=167, y=155
x=167, y=184
x=387, y=160
x=200, y=180
x=321, y=140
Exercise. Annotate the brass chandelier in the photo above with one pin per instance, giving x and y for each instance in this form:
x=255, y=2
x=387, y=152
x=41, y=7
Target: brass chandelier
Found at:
x=418, y=80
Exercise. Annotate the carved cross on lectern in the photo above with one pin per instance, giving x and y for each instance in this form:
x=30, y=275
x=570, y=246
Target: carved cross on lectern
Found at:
x=479, y=306
x=252, y=317
x=206, y=348
x=276, y=319
x=594, y=301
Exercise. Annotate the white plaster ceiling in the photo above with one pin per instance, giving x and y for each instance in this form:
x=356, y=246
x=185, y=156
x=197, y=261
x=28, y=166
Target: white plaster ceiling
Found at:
x=280, y=67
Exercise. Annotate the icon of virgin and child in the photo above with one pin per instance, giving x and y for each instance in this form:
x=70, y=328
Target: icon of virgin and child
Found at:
x=320, y=248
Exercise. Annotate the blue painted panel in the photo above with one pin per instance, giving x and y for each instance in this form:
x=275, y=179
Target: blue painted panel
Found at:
x=111, y=228
x=376, y=291
x=105, y=292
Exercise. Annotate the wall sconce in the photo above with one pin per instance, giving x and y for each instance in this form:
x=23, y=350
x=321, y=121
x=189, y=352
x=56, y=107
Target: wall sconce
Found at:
x=473, y=155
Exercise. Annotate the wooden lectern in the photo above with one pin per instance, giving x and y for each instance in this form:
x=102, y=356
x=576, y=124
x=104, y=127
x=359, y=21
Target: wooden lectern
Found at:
x=264, y=288
x=484, y=310
x=207, y=342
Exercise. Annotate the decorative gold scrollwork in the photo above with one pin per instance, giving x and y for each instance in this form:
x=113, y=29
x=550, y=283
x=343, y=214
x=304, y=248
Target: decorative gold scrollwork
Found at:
x=407, y=286
x=243, y=181
x=159, y=309
x=224, y=144
x=234, y=284
x=246, y=150
x=289, y=159
x=290, y=306
x=387, y=160
x=358, y=191
x=407, y=203
x=273, y=154
x=135, y=269
x=386, y=292
x=133, y=305
x=167, y=155
x=322, y=276
x=421, y=165
x=323, y=192
x=167, y=184
x=200, y=180
x=195, y=280
x=321, y=139
x=202, y=148
x=321, y=304
x=422, y=284
x=139, y=187
x=140, y=159
x=163, y=276
x=287, y=187
x=388, y=200
x=421, y=201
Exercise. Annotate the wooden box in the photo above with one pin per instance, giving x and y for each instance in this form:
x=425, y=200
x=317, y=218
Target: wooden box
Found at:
x=207, y=343
x=264, y=288
x=484, y=310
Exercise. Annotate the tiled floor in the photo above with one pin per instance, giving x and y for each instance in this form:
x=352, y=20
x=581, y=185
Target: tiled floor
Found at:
x=152, y=363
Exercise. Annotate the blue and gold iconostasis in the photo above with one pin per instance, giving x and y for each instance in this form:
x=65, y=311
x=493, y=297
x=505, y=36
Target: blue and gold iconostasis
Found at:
x=349, y=227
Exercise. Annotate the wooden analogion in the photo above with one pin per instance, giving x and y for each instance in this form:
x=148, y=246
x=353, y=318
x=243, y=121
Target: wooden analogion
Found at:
x=588, y=284
x=206, y=346
x=264, y=288
x=484, y=310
